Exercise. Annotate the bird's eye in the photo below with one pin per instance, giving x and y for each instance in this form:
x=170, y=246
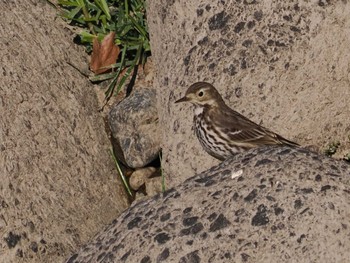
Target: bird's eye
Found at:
x=200, y=94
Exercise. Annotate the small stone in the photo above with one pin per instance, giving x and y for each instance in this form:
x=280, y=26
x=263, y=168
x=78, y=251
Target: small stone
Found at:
x=138, y=178
x=153, y=186
x=138, y=197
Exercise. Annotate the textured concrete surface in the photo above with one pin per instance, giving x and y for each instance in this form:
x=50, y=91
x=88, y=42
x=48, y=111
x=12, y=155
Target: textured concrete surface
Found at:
x=58, y=184
x=284, y=64
x=286, y=205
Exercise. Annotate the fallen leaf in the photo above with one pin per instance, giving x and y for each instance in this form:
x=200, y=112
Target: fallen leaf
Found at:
x=104, y=54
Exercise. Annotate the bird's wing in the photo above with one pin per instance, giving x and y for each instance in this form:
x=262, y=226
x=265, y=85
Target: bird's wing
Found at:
x=240, y=130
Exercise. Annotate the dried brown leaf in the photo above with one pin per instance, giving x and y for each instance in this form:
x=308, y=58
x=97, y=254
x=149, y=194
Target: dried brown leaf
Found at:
x=104, y=54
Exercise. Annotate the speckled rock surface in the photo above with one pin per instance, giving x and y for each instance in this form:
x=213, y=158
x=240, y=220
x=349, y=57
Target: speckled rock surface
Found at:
x=284, y=64
x=58, y=184
x=134, y=126
x=288, y=205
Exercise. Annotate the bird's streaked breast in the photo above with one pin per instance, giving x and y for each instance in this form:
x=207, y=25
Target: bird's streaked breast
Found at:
x=212, y=140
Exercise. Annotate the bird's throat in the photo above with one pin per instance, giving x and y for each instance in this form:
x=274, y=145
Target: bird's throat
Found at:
x=198, y=110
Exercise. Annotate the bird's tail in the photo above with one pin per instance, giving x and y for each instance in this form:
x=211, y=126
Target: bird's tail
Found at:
x=286, y=142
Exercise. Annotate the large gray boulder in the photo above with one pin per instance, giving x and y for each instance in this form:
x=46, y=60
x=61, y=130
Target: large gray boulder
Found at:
x=284, y=64
x=58, y=184
x=265, y=205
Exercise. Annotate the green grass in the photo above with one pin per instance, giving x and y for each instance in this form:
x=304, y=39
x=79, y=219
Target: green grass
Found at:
x=97, y=18
x=332, y=148
x=121, y=174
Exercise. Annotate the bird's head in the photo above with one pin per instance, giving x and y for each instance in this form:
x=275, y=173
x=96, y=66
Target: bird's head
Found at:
x=202, y=94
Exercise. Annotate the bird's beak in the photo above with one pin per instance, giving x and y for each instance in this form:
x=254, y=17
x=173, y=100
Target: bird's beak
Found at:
x=182, y=99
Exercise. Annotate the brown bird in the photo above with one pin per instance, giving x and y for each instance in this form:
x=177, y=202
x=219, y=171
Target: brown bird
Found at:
x=222, y=131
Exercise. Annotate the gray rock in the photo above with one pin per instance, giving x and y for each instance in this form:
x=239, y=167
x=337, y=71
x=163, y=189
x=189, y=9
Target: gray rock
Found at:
x=284, y=64
x=286, y=205
x=134, y=126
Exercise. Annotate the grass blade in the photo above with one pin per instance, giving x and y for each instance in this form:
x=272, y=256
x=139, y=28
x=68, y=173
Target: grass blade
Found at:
x=104, y=7
x=126, y=185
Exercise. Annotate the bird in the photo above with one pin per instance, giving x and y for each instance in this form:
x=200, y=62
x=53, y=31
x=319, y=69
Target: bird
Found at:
x=222, y=131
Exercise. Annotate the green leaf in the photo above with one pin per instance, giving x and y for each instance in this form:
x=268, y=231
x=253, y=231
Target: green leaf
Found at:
x=73, y=13
x=104, y=7
x=87, y=37
x=68, y=3
x=138, y=27
x=81, y=2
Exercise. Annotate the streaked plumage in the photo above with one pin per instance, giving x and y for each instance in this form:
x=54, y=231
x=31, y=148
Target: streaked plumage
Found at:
x=222, y=131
